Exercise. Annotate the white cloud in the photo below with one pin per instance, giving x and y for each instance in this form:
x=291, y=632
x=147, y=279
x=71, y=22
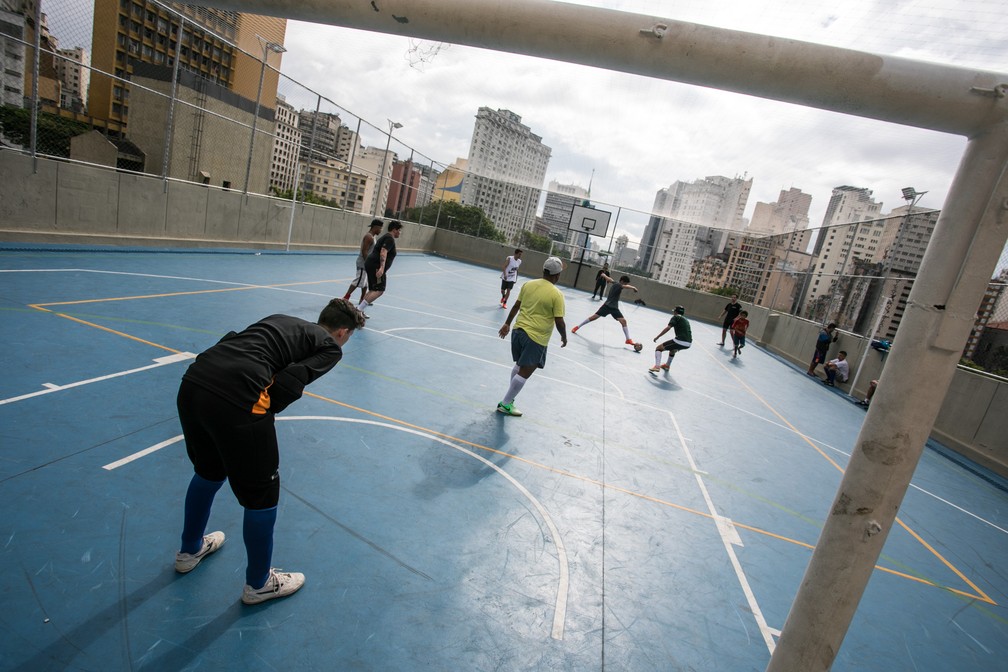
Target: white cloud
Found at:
x=640, y=134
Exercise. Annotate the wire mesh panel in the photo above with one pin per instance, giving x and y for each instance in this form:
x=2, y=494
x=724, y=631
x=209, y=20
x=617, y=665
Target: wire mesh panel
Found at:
x=197, y=94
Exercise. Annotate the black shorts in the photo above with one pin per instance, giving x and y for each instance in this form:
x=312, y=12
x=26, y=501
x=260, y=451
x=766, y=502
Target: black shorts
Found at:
x=605, y=309
x=507, y=284
x=374, y=283
x=225, y=442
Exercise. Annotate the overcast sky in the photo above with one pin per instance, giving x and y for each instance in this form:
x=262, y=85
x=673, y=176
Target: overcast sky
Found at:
x=640, y=135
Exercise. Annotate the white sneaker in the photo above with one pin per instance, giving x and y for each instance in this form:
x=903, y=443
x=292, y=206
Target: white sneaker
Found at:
x=279, y=584
x=186, y=562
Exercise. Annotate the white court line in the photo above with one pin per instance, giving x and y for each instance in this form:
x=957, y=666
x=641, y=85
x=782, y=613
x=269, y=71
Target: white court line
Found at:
x=729, y=537
x=51, y=387
x=563, y=582
x=146, y=451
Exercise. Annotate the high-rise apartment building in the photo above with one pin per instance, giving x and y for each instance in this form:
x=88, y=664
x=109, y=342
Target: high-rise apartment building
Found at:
x=788, y=213
x=325, y=136
x=690, y=221
x=286, y=141
x=404, y=187
x=221, y=46
x=560, y=202
x=75, y=76
x=507, y=167
x=12, y=57
x=850, y=204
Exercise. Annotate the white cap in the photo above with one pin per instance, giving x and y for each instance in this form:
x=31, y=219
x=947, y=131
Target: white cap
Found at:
x=553, y=266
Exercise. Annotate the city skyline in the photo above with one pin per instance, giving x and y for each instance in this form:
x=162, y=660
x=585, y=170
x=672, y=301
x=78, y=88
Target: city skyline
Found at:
x=640, y=135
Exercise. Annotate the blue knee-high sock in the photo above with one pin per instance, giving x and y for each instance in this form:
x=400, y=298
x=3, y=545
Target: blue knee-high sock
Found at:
x=199, y=498
x=258, y=533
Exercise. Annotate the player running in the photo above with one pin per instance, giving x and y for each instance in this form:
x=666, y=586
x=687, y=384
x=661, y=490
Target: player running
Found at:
x=611, y=307
x=683, y=339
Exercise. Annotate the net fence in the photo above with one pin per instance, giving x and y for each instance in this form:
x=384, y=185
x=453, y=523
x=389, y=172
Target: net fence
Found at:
x=190, y=93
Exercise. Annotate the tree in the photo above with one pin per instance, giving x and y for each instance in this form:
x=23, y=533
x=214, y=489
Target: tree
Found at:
x=725, y=291
x=52, y=135
x=305, y=197
x=466, y=219
x=531, y=241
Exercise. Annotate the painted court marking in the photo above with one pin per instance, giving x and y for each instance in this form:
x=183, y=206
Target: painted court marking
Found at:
x=563, y=582
x=729, y=537
x=51, y=387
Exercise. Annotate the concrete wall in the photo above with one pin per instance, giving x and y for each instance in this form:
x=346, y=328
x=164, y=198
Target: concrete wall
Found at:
x=61, y=202
x=58, y=202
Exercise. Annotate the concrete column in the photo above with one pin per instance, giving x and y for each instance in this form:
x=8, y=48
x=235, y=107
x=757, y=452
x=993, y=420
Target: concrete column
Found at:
x=941, y=310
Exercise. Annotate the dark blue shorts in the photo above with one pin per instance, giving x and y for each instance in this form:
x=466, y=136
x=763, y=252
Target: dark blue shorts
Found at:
x=525, y=351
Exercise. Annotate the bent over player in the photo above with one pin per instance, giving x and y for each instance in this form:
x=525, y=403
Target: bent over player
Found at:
x=226, y=404
x=683, y=339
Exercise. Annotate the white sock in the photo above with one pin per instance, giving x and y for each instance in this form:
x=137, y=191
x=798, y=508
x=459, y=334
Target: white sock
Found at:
x=583, y=323
x=657, y=357
x=363, y=304
x=626, y=332
x=517, y=383
x=514, y=371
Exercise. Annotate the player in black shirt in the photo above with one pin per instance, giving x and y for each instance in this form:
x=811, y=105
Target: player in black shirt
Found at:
x=226, y=404
x=378, y=264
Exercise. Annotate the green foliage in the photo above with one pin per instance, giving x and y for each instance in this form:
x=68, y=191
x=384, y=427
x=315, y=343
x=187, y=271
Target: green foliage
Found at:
x=53, y=133
x=725, y=291
x=531, y=241
x=970, y=364
x=305, y=197
x=466, y=219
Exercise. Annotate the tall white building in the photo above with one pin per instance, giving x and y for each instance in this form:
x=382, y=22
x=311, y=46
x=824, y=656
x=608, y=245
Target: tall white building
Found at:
x=283, y=167
x=507, y=167
x=376, y=163
x=692, y=221
x=72, y=66
x=560, y=201
x=12, y=57
x=851, y=204
x=788, y=213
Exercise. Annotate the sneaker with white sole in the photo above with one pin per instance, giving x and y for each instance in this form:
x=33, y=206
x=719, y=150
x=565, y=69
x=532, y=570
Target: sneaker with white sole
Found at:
x=508, y=409
x=279, y=584
x=186, y=562
x=654, y=369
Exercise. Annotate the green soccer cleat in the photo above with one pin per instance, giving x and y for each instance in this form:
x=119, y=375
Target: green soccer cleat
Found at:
x=508, y=409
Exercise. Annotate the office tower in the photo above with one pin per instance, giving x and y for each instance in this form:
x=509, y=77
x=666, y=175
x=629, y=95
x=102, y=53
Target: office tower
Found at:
x=507, y=166
x=206, y=41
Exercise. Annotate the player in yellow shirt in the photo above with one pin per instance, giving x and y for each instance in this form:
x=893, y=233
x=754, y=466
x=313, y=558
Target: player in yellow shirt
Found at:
x=539, y=309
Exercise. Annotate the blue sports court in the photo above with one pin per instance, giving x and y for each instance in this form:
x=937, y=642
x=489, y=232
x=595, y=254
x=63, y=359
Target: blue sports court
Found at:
x=625, y=522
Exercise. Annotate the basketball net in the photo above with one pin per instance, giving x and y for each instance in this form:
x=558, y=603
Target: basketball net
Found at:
x=422, y=52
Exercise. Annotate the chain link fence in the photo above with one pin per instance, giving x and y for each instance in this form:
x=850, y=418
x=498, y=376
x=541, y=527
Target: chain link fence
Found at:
x=186, y=93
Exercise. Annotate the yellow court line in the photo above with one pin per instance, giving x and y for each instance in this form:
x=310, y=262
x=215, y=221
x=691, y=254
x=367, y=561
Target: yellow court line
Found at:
x=982, y=596
x=194, y=292
x=586, y=479
x=98, y=326
x=916, y=536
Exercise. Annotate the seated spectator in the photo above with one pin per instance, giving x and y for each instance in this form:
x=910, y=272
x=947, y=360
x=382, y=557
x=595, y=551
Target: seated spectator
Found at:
x=871, y=392
x=837, y=368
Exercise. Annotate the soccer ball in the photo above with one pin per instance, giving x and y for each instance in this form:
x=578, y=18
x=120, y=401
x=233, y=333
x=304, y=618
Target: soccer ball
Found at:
x=638, y=347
